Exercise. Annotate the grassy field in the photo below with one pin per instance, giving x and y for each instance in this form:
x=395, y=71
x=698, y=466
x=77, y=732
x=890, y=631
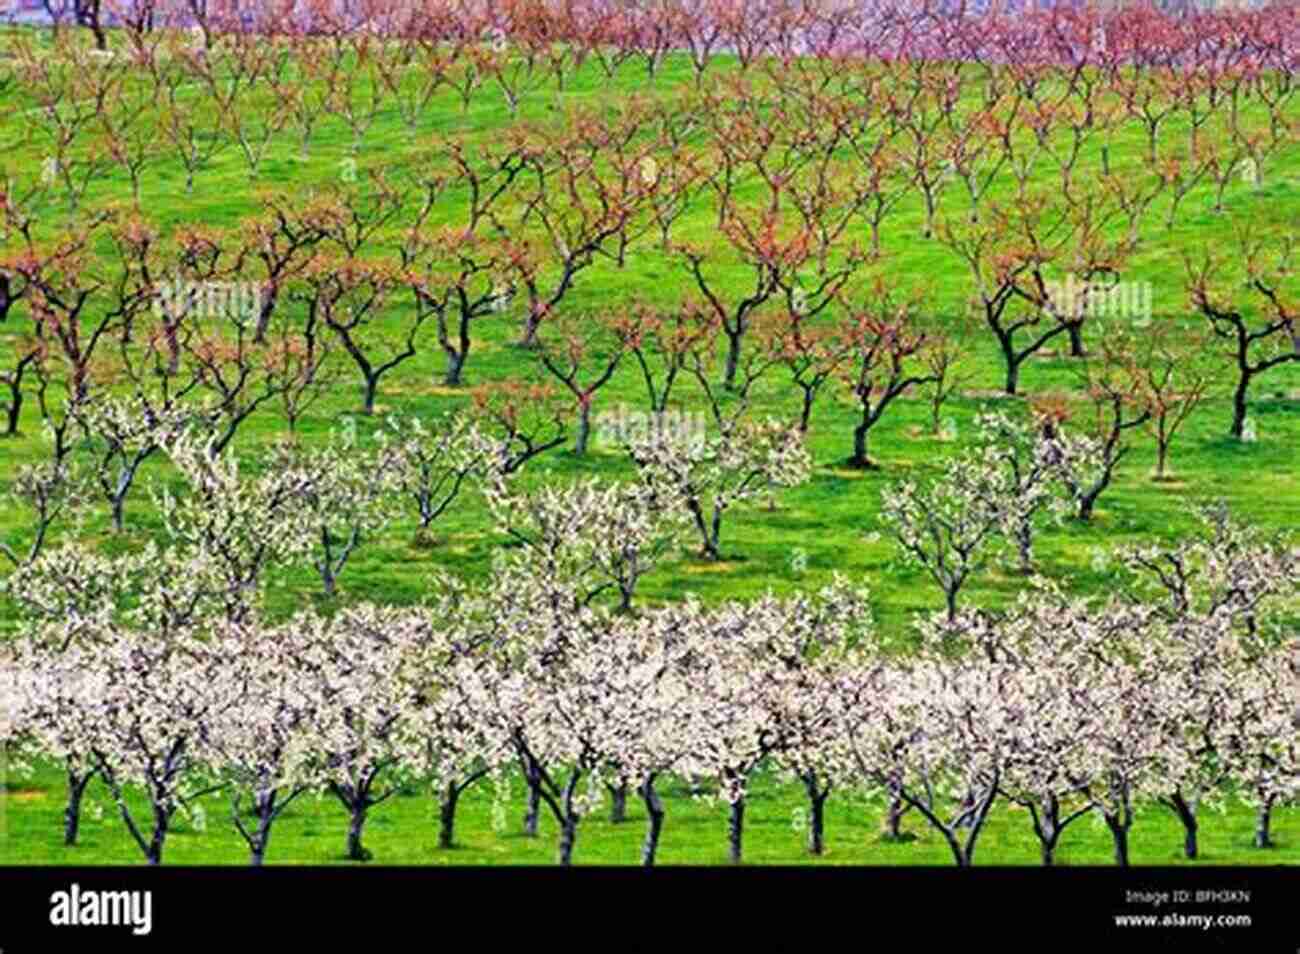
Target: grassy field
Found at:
x=833, y=519
x=404, y=831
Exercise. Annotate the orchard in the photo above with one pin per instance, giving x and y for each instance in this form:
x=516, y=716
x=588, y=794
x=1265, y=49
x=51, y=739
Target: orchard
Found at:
x=643, y=432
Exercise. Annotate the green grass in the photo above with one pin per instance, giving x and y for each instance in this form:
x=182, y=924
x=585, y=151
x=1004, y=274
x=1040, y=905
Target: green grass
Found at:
x=833, y=519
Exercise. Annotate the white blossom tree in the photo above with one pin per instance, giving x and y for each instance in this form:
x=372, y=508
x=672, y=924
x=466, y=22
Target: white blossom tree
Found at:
x=1229, y=567
x=259, y=739
x=15, y=720
x=127, y=432
x=1056, y=643
x=346, y=496
x=752, y=692
x=143, y=702
x=1125, y=748
x=450, y=744
x=50, y=490
x=360, y=673
x=233, y=524
x=430, y=466
x=1262, y=744
x=999, y=488
x=71, y=598
x=1225, y=596
x=713, y=473
x=944, y=526
x=600, y=535
x=1032, y=465
x=54, y=704
x=937, y=734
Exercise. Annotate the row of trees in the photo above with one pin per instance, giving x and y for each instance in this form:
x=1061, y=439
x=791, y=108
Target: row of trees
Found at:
x=794, y=170
x=1181, y=692
x=944, y=119
x=910, y=123
x=332, y=496
x=321, y=501
x=555, y=37
x=316, y=505
x=118, y=362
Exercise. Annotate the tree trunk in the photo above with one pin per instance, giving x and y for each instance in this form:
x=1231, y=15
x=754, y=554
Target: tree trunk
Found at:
x=1239, y=406
x=859, y=458
x=894, y=818
x=1263, y=825
x=1119, y=834
x=356, y=851
x=1025, y=546
x=447, y=816
x=618, y=803
x=1047, y=827
x=655, y=814
x=959, y=856
x=713, y=538
x=1187, y=815
x=805, y=415
x=1162, y=456
x=1047, y=846
x=817, y=823
x=534, y=812
x=568, y=835
x=368, y=399
x=736, y=829
x=817, y=812
x=733, y=360
x=264, y=315
x=156, y=841
x=1075, y=331
x=584, y=427
x=13, y=410
x=455, y=365
x=529, y=339
x=257, y=849
x=72, y=812
x=327, y=579
x=1013, y=374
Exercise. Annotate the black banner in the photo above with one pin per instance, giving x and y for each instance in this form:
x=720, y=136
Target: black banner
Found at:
x=1253, y=910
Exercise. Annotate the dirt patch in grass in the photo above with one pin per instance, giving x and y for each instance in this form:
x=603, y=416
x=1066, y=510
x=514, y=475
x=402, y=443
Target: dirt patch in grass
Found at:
x=23, y=794
x=991, y=394
x=918, y=433
x=713, y=566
